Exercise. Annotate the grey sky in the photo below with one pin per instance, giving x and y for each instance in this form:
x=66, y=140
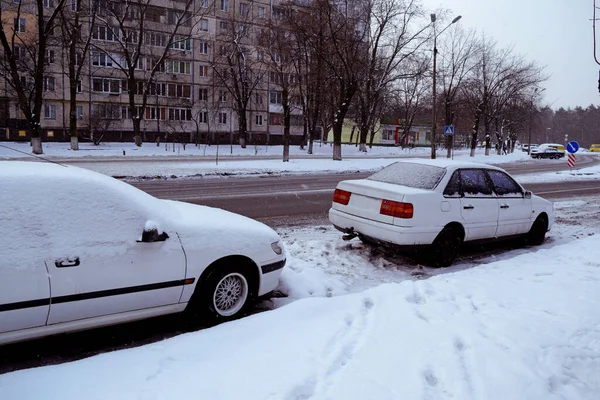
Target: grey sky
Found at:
x=555, y=33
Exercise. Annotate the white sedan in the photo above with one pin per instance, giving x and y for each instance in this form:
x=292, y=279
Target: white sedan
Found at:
x=436, y=205
x=81, y=250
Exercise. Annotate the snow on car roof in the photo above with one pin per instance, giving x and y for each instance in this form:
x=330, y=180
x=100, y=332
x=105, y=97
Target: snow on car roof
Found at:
x=449, y=163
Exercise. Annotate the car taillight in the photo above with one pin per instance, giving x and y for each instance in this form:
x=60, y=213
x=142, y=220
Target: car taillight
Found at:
x=341, y=196
x=396, y=209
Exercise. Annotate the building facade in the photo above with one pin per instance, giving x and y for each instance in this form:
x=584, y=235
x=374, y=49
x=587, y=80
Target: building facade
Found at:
x=191, y=97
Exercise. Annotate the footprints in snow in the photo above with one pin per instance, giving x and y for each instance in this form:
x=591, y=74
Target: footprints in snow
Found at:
x=338, y=353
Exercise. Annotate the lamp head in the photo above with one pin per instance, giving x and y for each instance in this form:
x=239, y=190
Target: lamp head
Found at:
x=432, y=17
x=456, y=19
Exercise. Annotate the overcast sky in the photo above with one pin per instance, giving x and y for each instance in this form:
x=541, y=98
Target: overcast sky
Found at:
x=555, y=33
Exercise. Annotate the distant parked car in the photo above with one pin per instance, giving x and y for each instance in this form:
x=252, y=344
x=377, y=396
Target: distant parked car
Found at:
x=82, y=250
x=548, y=150
x=434, y=206
x=525, y=147
x=595, y=148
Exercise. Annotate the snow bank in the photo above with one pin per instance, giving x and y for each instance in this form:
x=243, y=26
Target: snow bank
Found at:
x=521, y=328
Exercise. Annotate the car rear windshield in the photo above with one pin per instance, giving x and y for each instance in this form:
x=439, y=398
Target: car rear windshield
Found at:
x=418, y=176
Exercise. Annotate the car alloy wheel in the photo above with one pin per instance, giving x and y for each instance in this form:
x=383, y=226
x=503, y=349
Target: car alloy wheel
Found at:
x=230, y=294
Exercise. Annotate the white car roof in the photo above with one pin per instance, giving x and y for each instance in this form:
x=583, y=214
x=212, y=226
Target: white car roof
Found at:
x=448, y=163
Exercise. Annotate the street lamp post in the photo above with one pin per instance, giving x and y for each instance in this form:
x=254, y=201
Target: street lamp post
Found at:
x=535, y=91
x=433, y=125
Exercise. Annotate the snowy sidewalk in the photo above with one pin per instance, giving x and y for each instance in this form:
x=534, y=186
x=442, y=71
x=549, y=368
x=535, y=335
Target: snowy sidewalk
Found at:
x=521, y=328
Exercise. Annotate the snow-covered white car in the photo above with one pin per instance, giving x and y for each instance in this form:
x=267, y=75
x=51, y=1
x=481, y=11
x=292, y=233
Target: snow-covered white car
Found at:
x=82, y=250
x=436, y=205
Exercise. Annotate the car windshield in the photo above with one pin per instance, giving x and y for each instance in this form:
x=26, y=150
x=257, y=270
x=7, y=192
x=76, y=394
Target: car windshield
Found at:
x=418, y=176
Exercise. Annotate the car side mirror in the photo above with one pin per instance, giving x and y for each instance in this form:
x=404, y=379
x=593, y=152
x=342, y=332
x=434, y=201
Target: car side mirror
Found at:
x=152, y=235
x=527, y=194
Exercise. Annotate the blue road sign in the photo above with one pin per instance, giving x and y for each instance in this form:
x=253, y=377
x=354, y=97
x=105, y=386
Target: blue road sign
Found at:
x=572, y=147
x=449, y=130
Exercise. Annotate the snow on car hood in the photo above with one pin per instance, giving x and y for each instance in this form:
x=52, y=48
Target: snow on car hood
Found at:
x=206, y=229
x=185, y=217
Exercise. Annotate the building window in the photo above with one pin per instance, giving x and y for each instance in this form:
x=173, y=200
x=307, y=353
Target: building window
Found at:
x=204, y=3
x=203, y=48
x=179, y=67
x=223, y=96
x=261, y=12
x=107, y=111
x=275, y=119
x=20, y=53
x=79, y=112
x=49, y=57
x=203, y=117
x=258, y=98
x=20, y=25
x=106, y=85
x=180, y=114
x=203, y=69
x=259, y=120
x=49, y=3
x=49, y=84
x=224, y=5
x=203, y=24
x=73, y=5
x=244, y=9
x=224, y=26
x=182, y=43
x=222, y=117
x=155, y=113
x=105, y=33
x=177, y=90
x=275, y=97
x=203, y=95
x=49, y=111
x=102, y=60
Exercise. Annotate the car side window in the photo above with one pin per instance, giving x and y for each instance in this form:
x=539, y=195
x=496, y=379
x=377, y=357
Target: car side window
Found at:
x=504, y=185
x=453, y=187
x=474, y=183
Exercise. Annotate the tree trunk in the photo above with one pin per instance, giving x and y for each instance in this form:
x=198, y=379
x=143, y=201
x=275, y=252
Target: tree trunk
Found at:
x=242, y=142
x=74, y=143
x=475, y=131
x=36, y=145
x=337, y=140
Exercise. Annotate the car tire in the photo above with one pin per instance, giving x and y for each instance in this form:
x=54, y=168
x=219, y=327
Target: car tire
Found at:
x=445, y=248
x=537, y=232
x=223, y=295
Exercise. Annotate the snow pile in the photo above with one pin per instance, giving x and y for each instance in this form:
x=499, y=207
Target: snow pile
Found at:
x=525, y=327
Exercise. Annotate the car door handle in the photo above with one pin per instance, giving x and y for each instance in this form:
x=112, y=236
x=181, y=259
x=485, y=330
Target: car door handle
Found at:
x=69, y=262
x=469, y=207
x=504, y=206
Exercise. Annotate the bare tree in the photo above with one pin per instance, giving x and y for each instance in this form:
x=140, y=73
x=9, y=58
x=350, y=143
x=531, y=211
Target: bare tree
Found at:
x=284, y=64
x=77, y=24
x=140, y=53
x=410, y=94
x=391, y=42
x=238, y=66
x=499, y=76
x=23, y=60
x=459, y=53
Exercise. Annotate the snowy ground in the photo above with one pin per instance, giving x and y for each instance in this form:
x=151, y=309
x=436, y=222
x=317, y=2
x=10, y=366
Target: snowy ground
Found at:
x=360, y=323
x=201, y=161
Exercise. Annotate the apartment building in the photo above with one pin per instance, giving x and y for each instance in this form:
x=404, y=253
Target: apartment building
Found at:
x=190, y=97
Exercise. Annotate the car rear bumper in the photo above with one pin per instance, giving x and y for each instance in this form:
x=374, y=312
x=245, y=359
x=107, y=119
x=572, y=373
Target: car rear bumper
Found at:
x=393, y=234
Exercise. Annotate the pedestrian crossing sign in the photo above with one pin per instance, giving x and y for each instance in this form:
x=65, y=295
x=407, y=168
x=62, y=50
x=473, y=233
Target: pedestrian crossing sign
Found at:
x=449, y=130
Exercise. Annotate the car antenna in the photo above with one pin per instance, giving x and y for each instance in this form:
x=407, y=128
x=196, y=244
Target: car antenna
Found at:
x=33, y=155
